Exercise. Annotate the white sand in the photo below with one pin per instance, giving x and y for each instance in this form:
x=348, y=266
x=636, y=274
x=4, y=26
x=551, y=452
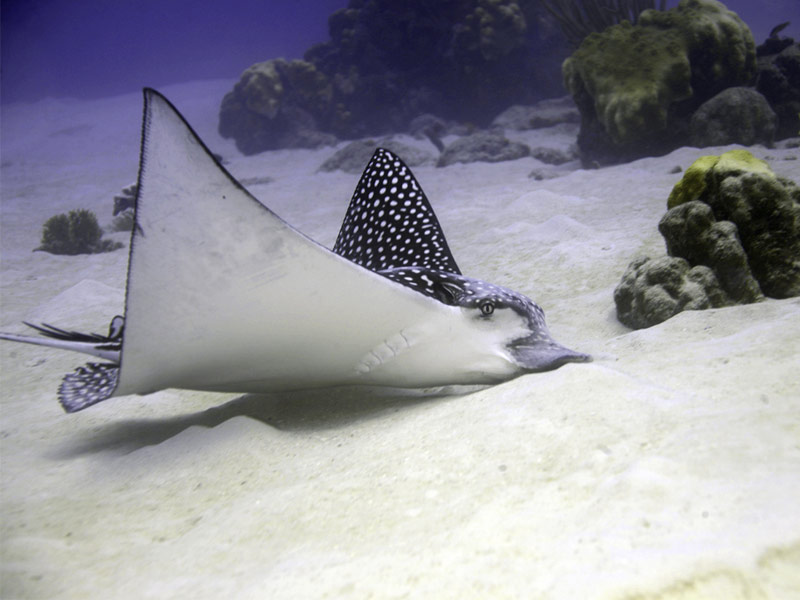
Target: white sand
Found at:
x=668, y=468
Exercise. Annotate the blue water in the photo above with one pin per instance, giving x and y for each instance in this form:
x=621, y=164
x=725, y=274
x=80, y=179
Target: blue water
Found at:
x=96, y=48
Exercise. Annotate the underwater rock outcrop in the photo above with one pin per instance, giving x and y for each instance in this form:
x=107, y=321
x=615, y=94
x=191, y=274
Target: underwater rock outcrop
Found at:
x=732, y=215
x=779, y=81
x=388, y=62
x=764, y=208
x=738, y=115
x=637, y=85
x=273, y=106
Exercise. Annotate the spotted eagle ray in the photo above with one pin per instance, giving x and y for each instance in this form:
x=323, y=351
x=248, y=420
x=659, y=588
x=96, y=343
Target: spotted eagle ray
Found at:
x=223, y=295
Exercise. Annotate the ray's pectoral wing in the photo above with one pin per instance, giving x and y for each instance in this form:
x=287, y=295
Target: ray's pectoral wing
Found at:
x=224, y=295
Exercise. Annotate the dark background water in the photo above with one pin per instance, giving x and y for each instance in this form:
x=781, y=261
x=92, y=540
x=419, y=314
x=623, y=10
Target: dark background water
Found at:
x=96, y=48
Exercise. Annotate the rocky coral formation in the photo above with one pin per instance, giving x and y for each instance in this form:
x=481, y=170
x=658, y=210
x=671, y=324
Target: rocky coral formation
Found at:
x=388, y=62
x=765, y=209
x=653, y=290
x=738, y=115
x=637, y=85
x=732, y=215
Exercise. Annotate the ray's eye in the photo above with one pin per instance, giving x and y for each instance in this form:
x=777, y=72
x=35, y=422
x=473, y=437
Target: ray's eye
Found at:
x=487, y=308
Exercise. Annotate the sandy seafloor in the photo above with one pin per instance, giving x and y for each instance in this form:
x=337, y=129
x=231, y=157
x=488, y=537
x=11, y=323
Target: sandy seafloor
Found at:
x=667, y=468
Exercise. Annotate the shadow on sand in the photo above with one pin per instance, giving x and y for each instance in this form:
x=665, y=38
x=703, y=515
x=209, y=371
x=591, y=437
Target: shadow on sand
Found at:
x=313, y=410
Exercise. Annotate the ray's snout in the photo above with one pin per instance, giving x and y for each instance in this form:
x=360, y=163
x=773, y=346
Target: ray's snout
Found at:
x=538, y=353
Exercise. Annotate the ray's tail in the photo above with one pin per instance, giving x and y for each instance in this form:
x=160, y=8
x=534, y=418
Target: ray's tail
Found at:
x=93, y=382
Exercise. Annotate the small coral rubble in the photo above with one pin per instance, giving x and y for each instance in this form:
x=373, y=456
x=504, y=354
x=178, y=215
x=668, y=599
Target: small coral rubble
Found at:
x=483, y=146
x=653, y=290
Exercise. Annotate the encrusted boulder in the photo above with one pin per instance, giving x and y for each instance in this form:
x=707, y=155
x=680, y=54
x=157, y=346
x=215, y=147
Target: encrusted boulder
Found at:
x=738, y=115
x=653, y=290
x=637, y=85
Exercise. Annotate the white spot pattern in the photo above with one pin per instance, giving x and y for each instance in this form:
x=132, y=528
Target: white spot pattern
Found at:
x=390, y=222
x=390, y=228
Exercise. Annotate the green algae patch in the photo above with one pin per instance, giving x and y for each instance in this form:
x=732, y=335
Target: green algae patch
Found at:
x=695, y=181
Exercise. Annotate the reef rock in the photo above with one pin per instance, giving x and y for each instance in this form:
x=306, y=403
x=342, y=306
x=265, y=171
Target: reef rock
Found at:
x=272, y=106
x=653, y=290
x=388, y=62
x=692, y=233
x=637, y=85
x=765, y=209
x=738, y=115
x=779, y=81
x=484, y=146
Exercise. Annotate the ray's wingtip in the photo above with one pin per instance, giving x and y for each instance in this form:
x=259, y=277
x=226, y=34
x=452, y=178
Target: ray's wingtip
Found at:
x=88, y=385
